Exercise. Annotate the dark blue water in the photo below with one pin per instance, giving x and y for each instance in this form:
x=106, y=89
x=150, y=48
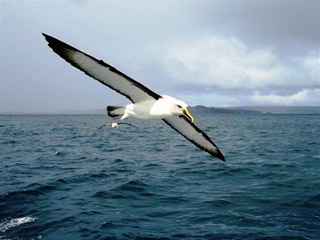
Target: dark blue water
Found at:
x=149, y=182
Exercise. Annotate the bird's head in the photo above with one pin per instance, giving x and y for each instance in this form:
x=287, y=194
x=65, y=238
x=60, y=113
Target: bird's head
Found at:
x=178, y=107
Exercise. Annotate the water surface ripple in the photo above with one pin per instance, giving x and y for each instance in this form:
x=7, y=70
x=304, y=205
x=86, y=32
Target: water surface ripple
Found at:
x=150, y=183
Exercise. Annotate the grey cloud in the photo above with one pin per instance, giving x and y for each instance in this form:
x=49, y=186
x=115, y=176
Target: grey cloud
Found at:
x=290, y=27
x=205, y=89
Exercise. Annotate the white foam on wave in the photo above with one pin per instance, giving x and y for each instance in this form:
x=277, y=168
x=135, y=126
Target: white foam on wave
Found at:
x=14, y=222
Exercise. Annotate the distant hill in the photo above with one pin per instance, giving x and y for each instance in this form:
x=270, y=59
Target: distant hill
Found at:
x=282, y=109
x=208, y=110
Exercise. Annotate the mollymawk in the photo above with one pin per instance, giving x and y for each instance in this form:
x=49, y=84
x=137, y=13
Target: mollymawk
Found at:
x=112, y=125
x=146, y=104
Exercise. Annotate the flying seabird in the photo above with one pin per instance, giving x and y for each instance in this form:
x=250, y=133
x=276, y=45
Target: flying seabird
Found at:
x=112, y=125
x=116, y=125
x=146, y=104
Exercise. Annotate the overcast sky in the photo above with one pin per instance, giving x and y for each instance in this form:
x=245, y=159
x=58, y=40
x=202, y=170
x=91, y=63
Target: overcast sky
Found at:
x=219, y=53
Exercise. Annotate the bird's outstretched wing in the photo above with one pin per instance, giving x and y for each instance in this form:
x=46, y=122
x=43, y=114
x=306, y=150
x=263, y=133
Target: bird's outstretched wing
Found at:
x=127, y=124
x=191, y=132
x=101, y=71
x=96, y=129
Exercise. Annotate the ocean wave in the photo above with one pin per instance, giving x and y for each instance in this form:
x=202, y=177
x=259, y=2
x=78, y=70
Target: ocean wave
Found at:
x=12, y=141
x=9, y=223
x=35, y=190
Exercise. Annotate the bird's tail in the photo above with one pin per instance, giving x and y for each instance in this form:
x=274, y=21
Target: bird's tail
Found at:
x=115, y=111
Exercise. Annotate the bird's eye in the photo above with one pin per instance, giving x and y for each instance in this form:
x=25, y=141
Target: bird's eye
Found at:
x=179, y=106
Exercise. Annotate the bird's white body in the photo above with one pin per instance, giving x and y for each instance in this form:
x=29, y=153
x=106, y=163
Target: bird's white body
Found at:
x=154, y=109
x=114, y=125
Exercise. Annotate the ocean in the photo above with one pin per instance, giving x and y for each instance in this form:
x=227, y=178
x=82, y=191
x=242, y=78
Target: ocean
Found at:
x=149, y=182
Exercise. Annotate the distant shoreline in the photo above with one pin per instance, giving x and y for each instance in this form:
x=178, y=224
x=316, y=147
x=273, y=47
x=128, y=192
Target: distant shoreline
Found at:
x=310, y=110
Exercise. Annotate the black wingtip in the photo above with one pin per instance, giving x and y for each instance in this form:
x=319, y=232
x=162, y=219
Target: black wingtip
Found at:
x=53, y=41
x=50, y=40
x=46, y=35
x=220, y=156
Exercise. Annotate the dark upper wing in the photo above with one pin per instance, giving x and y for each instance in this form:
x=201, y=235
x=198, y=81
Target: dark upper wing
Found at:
x=127, y=124
x=96, y=129
x=101, y=71
x=191, y=132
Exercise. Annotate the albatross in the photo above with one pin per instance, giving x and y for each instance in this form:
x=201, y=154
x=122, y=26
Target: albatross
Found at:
x=146, y=104
x=112, y=125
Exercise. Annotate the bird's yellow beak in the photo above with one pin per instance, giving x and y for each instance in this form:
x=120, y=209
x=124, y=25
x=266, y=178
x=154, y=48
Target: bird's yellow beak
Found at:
x=187, y=114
